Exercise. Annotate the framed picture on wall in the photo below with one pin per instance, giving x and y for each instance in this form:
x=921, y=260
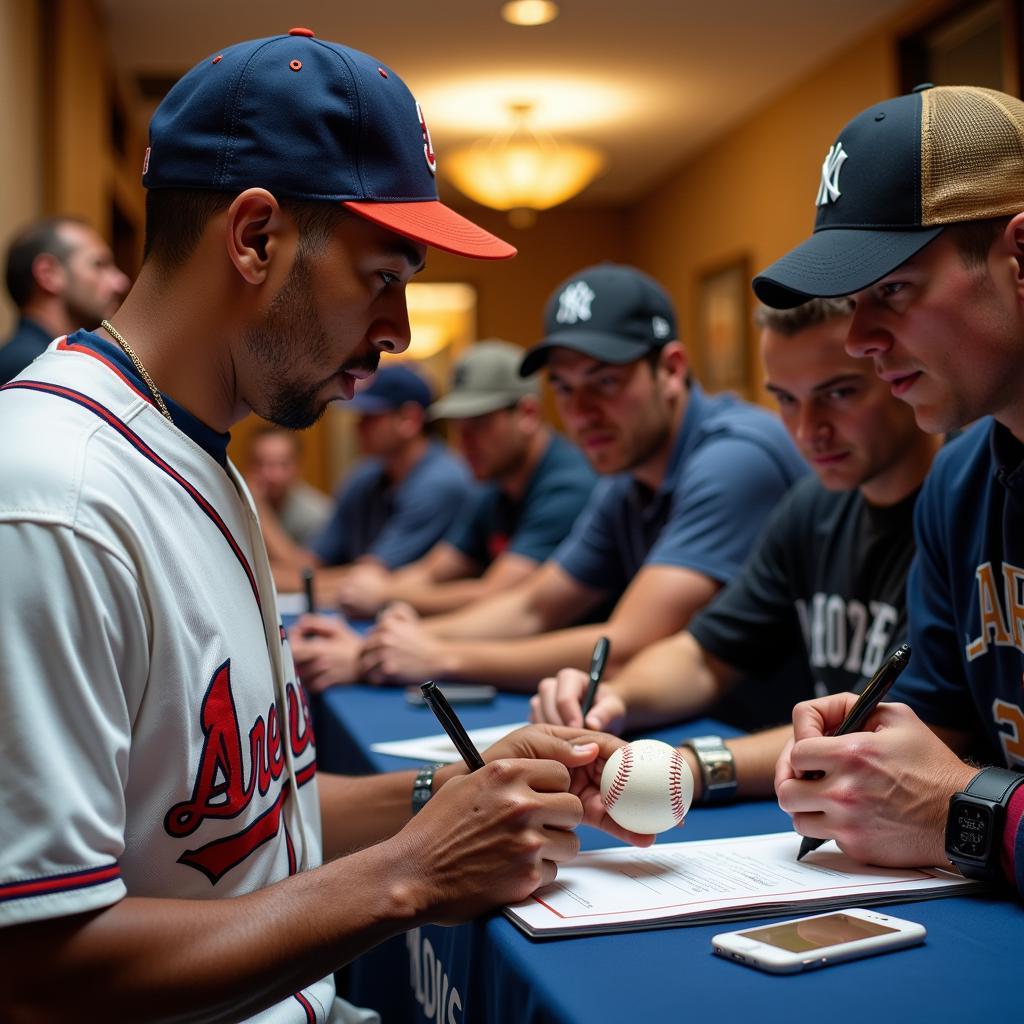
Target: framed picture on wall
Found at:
x=723, y=328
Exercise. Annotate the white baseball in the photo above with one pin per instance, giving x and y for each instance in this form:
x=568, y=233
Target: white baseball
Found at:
x=646, y=786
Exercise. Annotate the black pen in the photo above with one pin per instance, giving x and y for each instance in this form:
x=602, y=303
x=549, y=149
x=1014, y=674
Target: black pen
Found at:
x=438, y=703
x=307, y=586
x=876, y=689
x=597, y=662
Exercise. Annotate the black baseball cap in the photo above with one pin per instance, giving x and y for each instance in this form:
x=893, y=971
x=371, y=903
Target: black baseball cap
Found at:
x=611, y=312
x=896, y=176
x=309, y=119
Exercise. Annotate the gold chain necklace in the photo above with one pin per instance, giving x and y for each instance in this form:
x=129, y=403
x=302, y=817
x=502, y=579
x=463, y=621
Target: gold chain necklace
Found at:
x=143, y=372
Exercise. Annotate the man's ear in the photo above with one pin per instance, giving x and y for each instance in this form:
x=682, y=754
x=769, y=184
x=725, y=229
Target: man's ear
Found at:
x=1013, y=239
x=675, y=361
x=49, y=274
x=261, y=238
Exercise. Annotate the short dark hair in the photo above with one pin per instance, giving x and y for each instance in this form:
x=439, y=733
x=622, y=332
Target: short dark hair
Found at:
x=176, y=219
x=789, y=322
x=973, y=238
x=43, y=236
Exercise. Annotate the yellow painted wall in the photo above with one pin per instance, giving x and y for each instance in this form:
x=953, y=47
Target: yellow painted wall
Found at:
x=752, y=192
x=21, y=170
x=511, y=293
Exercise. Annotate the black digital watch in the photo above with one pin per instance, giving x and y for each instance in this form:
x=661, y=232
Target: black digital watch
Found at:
x=974, y=826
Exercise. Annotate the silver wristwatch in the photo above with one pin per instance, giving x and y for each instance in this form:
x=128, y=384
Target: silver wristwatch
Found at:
x=717, y=768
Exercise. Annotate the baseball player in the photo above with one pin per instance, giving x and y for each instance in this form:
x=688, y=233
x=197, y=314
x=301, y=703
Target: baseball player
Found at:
x=168, y=851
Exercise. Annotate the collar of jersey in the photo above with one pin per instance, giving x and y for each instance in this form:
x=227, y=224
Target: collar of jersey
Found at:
x=212, y=442
x=1007, y=458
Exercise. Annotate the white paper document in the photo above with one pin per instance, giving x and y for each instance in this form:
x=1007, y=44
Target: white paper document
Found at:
x=623, y=888
x=440, y=748
x=291, y=604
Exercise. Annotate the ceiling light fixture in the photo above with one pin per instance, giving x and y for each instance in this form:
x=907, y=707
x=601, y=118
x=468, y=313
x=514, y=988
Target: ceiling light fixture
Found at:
x=522, y=171
x=529, y=12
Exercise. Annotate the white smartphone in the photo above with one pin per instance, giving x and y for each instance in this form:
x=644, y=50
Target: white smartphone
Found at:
x=811, y=942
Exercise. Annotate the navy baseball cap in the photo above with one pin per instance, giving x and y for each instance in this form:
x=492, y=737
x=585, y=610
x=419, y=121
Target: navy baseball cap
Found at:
x=309, y=119
x=898, y=174
x=613, y=313
x=389, y=389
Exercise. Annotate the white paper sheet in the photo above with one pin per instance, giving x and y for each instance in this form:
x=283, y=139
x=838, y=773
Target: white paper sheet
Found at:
x=712, y=880
x=440, y=748
x=291, y=604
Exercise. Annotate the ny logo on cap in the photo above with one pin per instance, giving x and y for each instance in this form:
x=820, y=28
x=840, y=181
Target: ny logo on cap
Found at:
x=574, y=303
x=828, y=190
x=660, y=326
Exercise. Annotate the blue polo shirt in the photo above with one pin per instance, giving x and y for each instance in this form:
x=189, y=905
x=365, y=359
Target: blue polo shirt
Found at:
x=395, y=523
x=535, y=524
x=731, y=462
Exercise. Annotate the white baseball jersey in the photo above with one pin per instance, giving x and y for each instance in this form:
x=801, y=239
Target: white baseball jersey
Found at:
x=155, y=742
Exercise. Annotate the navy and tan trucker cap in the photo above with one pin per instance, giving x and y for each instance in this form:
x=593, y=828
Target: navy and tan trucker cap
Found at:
x=897, y=174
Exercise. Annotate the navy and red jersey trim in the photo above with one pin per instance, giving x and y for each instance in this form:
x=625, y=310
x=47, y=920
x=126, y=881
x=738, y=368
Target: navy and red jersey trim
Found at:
x=136, y=442
x=64, y=345
x=69, y=881
x=307, y=1006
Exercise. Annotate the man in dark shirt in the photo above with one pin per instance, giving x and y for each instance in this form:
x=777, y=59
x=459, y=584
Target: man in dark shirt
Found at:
x=61, y=275
x=827, y=577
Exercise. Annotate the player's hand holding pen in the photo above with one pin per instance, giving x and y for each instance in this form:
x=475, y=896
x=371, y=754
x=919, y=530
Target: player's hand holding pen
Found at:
x=494, y=835
x=885, y=790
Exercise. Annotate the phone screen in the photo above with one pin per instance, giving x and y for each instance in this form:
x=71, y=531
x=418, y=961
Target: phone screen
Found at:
x=817, y=932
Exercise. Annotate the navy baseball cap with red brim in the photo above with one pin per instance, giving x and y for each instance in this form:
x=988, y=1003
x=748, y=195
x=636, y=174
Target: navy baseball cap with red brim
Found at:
x=309, y=119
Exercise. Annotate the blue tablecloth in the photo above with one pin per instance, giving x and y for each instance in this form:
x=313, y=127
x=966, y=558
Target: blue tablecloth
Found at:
x=488, y=972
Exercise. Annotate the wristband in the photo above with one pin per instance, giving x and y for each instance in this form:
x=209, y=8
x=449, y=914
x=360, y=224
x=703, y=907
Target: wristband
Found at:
x=423, y=786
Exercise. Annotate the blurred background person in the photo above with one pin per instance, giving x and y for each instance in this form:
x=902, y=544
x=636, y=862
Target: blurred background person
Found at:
x=535, y=485
x=273, y=473
x=395, y=504
x=61, y=276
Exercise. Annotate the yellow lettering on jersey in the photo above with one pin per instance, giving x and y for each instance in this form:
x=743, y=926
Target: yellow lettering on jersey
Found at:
x=1013, y=578
x=991, y=614
x=1013, y=741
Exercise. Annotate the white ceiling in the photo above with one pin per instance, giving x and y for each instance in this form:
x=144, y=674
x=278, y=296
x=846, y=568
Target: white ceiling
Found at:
x=649, y=81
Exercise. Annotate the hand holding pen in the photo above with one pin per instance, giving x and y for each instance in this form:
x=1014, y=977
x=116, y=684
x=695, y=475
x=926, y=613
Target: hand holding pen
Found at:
x=876, y=689
x=598, y=660
x=438, y=703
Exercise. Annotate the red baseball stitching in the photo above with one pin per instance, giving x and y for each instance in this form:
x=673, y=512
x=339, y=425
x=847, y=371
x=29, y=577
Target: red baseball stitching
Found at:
x=618, y=785
x=675, y=786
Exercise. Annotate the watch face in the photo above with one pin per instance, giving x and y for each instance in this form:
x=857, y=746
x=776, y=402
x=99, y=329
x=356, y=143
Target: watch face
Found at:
x=971, y=830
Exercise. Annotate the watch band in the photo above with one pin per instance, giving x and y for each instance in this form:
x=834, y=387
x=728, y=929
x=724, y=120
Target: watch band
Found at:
x=995, y=784
x=717, y=768
x=989, y=792
x=423, y=786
